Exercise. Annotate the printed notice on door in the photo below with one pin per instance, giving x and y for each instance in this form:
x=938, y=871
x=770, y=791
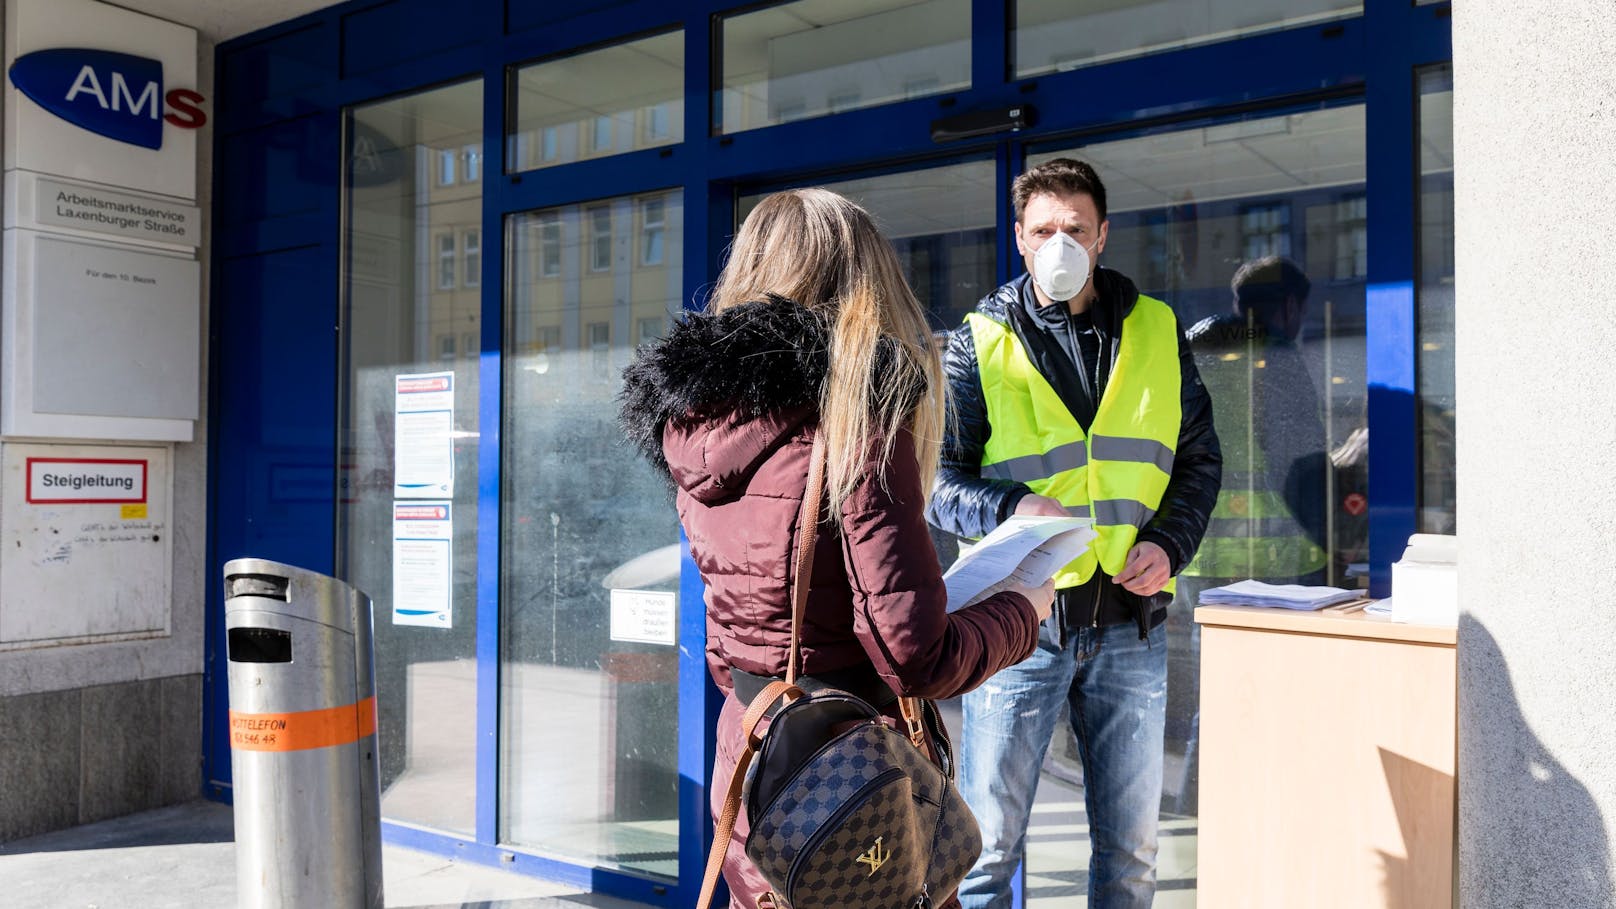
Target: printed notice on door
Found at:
x=423, y=436
x=644, y=616
x=423, y=534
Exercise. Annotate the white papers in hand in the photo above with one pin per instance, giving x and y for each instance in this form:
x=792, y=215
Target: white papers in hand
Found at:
x=1025, y=548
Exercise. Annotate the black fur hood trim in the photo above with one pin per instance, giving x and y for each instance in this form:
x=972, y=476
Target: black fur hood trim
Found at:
x=754, y=358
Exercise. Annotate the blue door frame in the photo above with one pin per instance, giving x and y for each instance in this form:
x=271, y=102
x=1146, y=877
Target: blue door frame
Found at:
x=276, y=248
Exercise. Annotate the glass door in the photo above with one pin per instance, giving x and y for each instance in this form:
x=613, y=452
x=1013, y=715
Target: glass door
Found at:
x=590, y=567
x=589, y=660
x=407, y=517
x=1255, y=233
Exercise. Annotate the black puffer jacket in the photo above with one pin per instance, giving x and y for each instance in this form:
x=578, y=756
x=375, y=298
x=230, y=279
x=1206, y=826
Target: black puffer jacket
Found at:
x=966, y=504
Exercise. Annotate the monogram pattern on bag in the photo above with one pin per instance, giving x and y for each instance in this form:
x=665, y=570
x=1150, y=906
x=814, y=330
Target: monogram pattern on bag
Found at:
x=833, y=876
x=824, y=785
x=958, y=843
x=928, y=778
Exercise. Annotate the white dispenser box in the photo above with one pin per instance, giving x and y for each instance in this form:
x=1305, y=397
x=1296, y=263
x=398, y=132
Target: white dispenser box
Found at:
x=1425, y=581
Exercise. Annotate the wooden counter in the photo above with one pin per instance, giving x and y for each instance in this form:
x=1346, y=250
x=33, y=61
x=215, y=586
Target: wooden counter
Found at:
x=1327, y=749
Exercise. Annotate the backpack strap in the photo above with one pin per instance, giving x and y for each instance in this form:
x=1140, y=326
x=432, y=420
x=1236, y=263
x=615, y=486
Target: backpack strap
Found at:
x=807, y=535
x=724, y=826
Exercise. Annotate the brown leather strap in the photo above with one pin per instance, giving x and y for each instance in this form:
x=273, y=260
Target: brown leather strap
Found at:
x=807, y=534
x=724, y=827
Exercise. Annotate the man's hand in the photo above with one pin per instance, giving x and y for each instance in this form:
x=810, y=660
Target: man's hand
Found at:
x=1147, y=570
x=1042, y=506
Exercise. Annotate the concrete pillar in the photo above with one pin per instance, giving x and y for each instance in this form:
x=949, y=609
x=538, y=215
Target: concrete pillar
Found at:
x=1535, y=198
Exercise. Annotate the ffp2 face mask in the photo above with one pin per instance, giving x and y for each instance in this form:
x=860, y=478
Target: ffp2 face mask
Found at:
x=1060, y=267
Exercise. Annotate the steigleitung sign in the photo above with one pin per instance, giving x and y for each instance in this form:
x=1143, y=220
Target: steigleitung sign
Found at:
x=87, y=481
x=86, y=550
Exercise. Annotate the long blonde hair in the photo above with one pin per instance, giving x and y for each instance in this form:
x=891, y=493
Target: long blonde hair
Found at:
x=824, y=252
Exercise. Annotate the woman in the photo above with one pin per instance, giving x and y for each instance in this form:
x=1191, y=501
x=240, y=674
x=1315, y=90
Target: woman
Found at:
x=812, y=329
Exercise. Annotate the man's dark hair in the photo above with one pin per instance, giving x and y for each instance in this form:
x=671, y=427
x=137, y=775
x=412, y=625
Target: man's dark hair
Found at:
x=1058, y=177
x=1267, y=282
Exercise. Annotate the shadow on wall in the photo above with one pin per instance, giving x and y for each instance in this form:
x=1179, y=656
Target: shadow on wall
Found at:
x=1530, y=833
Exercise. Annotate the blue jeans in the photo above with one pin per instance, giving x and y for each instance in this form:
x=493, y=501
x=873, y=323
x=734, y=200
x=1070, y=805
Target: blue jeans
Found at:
x=1116, y=687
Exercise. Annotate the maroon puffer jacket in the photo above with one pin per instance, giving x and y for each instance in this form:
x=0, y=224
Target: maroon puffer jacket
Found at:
x=876, y=593
x=730, y=400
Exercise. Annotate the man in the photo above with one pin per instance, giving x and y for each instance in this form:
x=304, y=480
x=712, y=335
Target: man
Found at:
x=1269, y=520
x=1075, y=394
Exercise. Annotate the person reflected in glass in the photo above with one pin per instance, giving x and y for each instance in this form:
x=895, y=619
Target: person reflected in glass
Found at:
x=811, y=329
x=1076, y=395
x=1269, y=523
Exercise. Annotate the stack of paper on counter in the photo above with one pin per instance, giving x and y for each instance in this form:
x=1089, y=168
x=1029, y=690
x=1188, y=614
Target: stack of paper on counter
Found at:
x=1024, y=548
x=1282, y=596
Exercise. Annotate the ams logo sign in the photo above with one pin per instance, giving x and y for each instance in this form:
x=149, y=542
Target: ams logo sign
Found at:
x=119, y=96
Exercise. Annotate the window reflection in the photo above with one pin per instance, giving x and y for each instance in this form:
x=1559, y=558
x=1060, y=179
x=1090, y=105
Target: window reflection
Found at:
x=590, y=540
x=1265, y=230
x=940, y=222
x=600, y=238
x=616, y=99
x=471, y=248
x=1054, y=35
x=817, y=57
x=1435, y=364
x=652, y=226
x=1352, y=238
x=1189, y=207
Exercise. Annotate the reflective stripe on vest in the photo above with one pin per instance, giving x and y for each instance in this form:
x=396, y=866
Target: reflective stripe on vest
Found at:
x=1119, y=471
x=1252, y=533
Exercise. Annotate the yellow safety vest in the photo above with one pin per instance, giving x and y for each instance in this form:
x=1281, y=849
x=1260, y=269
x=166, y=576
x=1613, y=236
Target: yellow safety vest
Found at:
x=1252, y=533
x=1118, y=472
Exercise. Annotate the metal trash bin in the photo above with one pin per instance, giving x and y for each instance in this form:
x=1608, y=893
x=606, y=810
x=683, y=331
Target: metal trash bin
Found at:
x=302, y=739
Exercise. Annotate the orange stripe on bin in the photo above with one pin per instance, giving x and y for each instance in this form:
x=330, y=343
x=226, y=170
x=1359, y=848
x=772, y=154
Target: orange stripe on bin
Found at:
x=304, y=729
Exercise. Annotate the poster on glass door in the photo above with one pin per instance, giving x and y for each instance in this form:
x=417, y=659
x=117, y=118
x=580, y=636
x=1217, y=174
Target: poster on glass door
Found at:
x=423, y=436
x=423, y=569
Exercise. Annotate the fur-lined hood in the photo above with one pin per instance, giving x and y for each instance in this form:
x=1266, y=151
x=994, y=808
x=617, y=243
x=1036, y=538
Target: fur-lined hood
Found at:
x=744, y=363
